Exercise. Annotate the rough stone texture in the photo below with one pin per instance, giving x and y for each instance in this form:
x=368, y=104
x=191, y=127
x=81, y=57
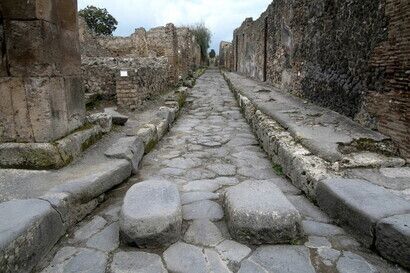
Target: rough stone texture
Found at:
x=233, y=252
x=203, y=232
x=184, y=258
x=205, y=209
x=117, y=118
x=151, y=214
x=137, y=261
x=352, y=263
x=129, y=148
x=284, y=259
x=30, y=231
x=226, y=56
x=106, y=240
x=258, y=213
x=191, y=197
x=40, y=82
x=357, y=204
x=301, y=47
x=393, y=239
x=81, y=260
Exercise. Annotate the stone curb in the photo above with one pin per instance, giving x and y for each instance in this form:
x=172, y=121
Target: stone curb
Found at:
x=36, y=225
x=309, y=173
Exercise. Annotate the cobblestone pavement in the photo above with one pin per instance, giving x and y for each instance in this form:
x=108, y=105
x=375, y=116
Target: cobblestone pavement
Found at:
x=210, y=149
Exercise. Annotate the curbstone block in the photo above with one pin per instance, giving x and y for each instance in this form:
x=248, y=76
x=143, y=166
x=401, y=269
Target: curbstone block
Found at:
x=129, y=148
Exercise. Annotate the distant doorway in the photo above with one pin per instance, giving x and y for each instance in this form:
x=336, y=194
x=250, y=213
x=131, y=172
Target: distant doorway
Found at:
x=265, y=51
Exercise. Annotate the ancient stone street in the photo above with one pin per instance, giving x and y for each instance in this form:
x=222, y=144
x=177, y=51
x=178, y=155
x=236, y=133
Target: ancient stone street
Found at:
x=239, y=213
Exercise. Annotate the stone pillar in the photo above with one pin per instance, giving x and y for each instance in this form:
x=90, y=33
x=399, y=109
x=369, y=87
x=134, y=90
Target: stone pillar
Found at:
x=41, y=92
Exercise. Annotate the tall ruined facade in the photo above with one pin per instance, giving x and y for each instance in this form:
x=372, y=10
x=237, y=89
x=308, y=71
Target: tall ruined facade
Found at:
x=350, y=56
x=40, y=84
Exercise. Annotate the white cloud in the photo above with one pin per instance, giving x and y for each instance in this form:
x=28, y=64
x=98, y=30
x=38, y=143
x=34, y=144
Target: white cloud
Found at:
x=220, y=16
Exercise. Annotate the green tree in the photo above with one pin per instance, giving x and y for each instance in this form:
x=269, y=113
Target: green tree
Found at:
x=203, y=37
x=99, y=20
x=212, y=54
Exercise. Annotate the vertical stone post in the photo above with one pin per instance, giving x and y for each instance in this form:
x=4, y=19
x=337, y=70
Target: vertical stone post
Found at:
x=41, y=92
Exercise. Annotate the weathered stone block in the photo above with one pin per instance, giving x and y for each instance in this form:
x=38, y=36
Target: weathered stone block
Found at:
x=30, y=9
x=151, y=215
x=356, y=203
x=258, y=212
x=31, y=230
x=393, y=239
x=129, y=148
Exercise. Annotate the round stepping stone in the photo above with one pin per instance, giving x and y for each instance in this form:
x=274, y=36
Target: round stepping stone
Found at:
x=151, y=214
x=203, y=210
x=137, y=261
x=185, y=258
x=203, y=232
x=258, y=212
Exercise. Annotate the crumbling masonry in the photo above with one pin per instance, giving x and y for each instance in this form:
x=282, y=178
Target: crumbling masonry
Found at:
x=350, y=56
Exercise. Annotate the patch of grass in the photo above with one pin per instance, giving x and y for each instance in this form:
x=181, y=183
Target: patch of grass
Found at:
x=277, y=169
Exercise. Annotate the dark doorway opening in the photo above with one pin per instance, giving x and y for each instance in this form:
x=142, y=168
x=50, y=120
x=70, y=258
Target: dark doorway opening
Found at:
x=265, y=51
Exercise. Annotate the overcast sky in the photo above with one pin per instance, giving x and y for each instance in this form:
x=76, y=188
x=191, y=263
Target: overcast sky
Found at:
x=220, y=16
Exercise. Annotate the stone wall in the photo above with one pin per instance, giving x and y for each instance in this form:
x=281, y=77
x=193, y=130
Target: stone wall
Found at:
x=145, y=78
x=350, y=56
x=226, y=56
x=40, y=76
x=104, y=56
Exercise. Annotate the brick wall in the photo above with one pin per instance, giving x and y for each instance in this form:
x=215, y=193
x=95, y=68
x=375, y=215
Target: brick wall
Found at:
x=350, y=56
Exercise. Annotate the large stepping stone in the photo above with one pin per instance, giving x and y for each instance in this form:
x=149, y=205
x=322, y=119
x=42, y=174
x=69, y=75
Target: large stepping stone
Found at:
x=151, y=215
x=359, y=204
x=258, y=213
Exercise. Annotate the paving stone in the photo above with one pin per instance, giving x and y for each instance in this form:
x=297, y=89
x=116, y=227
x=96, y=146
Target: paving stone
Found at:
x=223, y=169
x=317, y=242
x=329, y=256
x=106, y=240
x=129, y=148
x=138, y=262
x=258, y=212
x=227, y=181
x=352, y=263
x=393, y=239
x=233, y=252
x=117, y=118
x=249, y=266
x=205, y=209
x=78, y=260
x=321, y=229
x=28, y=230
x=207, y=185
x=357, y=203
x=151, y=214
x=198, y=174
x=90, y=228
x=183, y=163
x=308, y=210
x=204, y=233
x=215, y=263
x=283, y=259
x=263, y=174
x=285, y=186
x=190, y=197
x=185, y=258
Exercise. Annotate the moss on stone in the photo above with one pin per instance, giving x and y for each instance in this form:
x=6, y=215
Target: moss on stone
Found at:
x=277, y=169
x=150, y=146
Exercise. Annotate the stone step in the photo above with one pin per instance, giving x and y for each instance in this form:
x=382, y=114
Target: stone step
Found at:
x=372, y=212
x=151, y=215
x=259, y=213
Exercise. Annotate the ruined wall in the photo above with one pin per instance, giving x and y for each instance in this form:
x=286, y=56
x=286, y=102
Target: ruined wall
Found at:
x=349, y=56
x=145, y=78
x=40, y=82
x=226, y=56
x=103, y=56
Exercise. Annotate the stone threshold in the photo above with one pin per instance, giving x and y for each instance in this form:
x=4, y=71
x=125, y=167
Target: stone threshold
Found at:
x=34, y=226
x=378, y=218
